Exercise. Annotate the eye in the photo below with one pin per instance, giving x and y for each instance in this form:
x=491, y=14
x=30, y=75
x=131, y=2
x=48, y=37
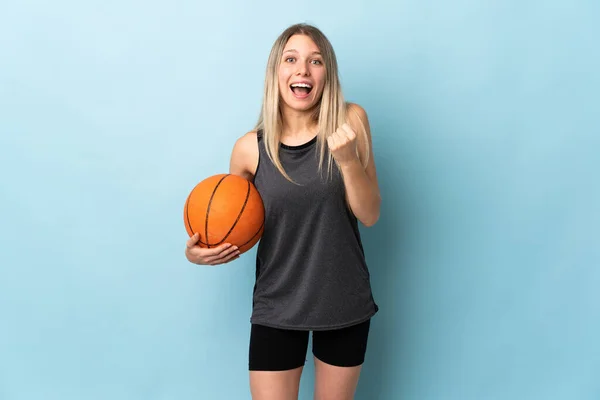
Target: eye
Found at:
x=289, y=59
x=317, y=62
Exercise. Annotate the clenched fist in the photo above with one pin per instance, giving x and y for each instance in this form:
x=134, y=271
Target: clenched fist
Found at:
x=342, y=144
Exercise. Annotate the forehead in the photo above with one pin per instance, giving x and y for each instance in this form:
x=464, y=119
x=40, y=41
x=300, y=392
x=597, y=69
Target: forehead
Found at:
x=301, y=43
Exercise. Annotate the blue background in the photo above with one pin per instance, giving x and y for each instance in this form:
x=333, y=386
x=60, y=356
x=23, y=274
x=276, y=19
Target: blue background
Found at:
x=485, y=261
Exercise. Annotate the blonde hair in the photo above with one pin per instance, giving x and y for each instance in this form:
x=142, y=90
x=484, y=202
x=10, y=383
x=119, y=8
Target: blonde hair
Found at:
x=331, y=111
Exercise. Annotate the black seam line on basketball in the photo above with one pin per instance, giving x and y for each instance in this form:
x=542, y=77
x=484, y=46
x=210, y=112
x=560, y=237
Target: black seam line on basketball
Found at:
x=243, y=244
x=238, y=217
x=249, y=240
x=208, y=208
x=253, y=236
x=187, y=214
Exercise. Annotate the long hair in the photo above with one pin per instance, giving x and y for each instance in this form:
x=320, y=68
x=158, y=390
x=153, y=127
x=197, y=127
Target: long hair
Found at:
x=330, y=112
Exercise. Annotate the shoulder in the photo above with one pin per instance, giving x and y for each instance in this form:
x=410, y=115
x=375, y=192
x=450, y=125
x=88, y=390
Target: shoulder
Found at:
x=248, y=141
x=356, y=113
x=244, y=156
x=357, y=118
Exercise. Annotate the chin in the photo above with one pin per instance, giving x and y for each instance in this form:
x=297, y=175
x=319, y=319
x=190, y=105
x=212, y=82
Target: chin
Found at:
x=301, y=105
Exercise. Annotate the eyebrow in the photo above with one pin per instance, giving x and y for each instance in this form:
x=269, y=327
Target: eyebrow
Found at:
x=295, y=51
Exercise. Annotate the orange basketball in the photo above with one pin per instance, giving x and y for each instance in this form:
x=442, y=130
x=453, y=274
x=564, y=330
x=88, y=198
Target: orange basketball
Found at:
x=225, y=208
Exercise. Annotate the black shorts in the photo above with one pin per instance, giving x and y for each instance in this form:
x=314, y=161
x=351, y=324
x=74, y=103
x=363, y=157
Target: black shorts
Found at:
x=273, y=349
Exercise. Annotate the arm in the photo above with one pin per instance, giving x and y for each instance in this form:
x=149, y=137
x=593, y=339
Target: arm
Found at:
x=244, y=156
x=244, y=159
x=362, y=187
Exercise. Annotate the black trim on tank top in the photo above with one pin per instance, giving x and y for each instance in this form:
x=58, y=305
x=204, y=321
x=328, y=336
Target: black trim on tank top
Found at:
x=300, y=146
x=259, y=135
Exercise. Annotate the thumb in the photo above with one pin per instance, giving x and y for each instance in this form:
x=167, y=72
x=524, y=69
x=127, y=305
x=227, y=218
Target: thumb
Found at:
x=193, y=240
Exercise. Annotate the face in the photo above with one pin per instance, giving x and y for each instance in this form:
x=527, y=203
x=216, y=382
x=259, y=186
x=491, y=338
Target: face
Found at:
x=301, y=73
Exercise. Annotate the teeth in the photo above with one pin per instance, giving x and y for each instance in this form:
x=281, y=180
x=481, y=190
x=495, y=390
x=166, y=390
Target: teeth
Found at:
x=305, y=85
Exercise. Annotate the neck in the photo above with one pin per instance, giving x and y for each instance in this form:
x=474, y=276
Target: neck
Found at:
x=298, y=124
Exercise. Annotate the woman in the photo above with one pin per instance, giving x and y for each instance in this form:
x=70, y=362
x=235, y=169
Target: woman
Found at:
x=310, y=157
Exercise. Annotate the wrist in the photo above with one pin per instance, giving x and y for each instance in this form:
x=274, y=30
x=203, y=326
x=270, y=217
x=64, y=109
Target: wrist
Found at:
x=350, y=164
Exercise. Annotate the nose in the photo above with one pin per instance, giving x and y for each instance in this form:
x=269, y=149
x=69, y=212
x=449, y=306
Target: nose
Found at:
x=303, y=69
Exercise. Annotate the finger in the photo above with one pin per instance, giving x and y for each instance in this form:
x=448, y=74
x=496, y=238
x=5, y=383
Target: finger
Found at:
x=200, y=253
x=347, y=127
x=333, y=141
x=342, y=134
x=192, y=240
x=227, y=258
x=341, y=139
x=219, y=250
x=223, y=252
x=224, y=257
x=348, y=132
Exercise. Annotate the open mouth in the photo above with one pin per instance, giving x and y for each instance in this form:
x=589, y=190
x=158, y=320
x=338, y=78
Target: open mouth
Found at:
x=301, y=89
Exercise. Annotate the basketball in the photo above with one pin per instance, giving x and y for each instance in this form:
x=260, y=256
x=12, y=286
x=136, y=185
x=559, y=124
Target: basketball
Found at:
x=225, y=208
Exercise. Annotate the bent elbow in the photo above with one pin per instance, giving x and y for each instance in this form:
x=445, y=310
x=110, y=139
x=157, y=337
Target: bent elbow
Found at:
x=371, y=219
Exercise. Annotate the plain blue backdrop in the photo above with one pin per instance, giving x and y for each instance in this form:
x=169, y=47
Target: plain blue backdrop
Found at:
x=485, y=262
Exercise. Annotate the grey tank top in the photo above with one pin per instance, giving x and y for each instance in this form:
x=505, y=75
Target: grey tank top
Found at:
x=311, y=272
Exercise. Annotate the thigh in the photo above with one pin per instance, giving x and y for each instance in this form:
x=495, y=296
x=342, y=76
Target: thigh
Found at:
x=273, y=349
x=276, y=360
x=344, y=347
x=339, y=355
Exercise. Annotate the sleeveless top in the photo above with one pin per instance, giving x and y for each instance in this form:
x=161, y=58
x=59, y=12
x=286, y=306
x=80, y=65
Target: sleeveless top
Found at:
x=311, y=272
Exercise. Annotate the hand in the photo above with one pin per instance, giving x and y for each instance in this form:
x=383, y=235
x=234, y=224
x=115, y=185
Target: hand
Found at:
x=342, y=144
x=203, y=256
